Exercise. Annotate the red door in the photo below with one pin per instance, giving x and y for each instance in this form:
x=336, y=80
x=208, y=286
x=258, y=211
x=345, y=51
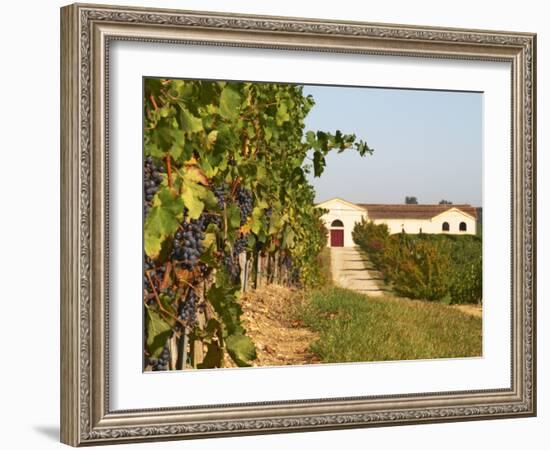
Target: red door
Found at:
x=336, y=238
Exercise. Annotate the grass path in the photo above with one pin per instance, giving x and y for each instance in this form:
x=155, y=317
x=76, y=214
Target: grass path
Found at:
x=384, y=328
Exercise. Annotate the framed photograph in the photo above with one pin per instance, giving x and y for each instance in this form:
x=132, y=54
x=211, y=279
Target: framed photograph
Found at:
x=276, y=224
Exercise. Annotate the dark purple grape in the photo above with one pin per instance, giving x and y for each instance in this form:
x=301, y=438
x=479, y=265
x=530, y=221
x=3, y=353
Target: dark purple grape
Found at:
x=162, y=362
x=240, y=245
x=220, y=192
x=232, y=267
x=152, y=178
x=245, y=201
x=187, y=310
x=156, y=273
x=187, y=244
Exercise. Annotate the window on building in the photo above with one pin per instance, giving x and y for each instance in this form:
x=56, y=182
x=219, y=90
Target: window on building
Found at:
x=462, y=226
x=337, y=223
x=445, y=226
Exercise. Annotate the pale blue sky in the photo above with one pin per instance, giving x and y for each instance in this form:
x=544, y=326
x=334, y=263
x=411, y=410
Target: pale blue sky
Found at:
x=426, y=144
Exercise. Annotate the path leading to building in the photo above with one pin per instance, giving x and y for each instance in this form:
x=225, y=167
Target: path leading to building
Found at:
x=351, y=270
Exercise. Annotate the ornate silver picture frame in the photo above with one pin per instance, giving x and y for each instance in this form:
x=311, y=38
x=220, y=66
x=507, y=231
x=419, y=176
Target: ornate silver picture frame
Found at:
x=87, y=32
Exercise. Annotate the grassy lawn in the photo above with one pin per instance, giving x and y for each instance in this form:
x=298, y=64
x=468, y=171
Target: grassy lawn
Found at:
x=325, y=277
x=356, y=328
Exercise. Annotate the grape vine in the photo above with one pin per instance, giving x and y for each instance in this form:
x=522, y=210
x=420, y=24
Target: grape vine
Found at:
x=225, y=186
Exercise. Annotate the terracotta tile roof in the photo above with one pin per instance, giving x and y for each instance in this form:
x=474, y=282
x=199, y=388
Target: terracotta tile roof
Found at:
x=380, y=211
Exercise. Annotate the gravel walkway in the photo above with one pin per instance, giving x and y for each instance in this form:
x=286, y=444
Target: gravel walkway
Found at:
x=351, y=270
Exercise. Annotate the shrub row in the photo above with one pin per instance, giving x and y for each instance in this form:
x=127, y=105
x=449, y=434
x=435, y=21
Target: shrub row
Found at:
x=446, y=268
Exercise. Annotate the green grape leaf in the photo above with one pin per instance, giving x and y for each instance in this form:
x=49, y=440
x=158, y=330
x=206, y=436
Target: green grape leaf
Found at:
x=209, y=199
x=166, y=301
x=241, y=349
x=257, y=219
x=233, y=215
x=192, y=201
x=268, y=133
x=209, y=240
x=282, y=115
x=224, y=300
x=212, y=327
x=275, y=223
x=195, y=195
x=262, y=236
x=195, y=175
x=162, y=221
x=262, y=203
x=188, y=121
x=288, y=239
x=251, y=240
x=213, y=358
x=208, y=257
x=311, y=140
x=158, y=331
x=170, y=202
x=152, y=149
x=177, y=149
x=230, y=102
x=209, y=170
x=319, y=163
x=212, y=137
x=261, y=173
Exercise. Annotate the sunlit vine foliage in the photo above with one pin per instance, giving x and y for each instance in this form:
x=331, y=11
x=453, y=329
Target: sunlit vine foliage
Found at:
x=225, y=185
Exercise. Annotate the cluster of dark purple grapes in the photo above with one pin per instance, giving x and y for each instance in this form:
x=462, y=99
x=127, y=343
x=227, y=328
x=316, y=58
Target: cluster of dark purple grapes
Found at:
x=162, y=362
x=188, y=246
x=287, y=261
x=231, y=259
x=219, y=191
x=268, y=213
x=209, y=218
x=240, y=245
x=232, y=267
x=156, y=273
x=245, y=201
x=187, y=310
x=152, y=175
x=204, y=270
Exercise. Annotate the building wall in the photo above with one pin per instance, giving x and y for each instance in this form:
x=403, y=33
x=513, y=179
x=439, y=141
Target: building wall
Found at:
x=453, y=218
x=432, y=226
x=411, y=226
x=348, y=214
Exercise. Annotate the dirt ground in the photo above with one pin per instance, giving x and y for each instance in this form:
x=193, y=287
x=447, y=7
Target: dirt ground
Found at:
x=268, y=319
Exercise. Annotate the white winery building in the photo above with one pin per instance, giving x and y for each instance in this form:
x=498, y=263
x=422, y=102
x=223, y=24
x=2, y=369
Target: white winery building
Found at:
x=434, y=219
